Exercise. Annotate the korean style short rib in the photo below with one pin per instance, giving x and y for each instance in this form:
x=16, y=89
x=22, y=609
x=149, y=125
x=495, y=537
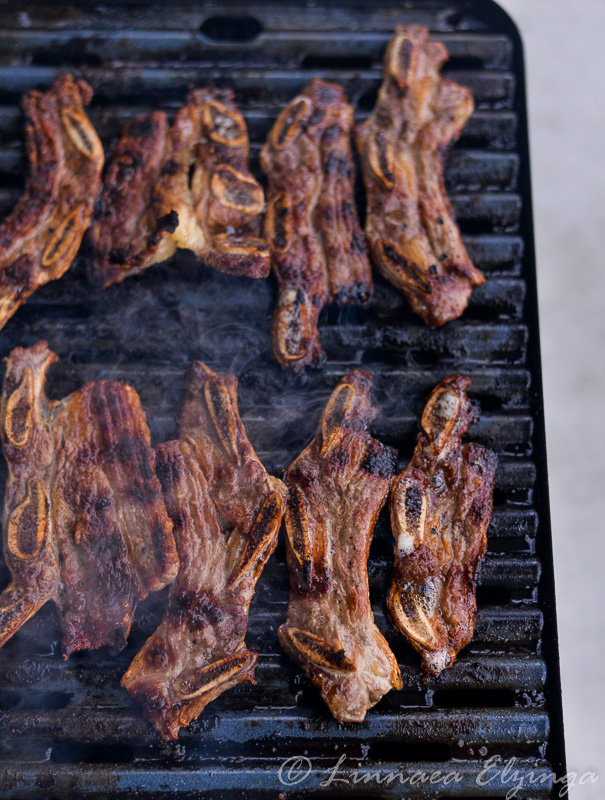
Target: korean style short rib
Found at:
x=441, y=506
x=84, y=519
x=318, y=251
x=337, y=487
x=182, y=186
x=227, y=511
x=40, y=239
x=410, y=225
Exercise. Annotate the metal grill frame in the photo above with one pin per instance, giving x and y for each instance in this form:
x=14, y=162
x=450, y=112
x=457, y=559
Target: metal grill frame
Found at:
x=68, y=730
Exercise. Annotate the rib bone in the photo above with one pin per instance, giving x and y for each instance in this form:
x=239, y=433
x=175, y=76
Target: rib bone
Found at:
x=317, y=248
x=185, y=186
x=227, y=511
x=410, y=225
x=337, y=487
x=40, y=239
x=84, y=520
x=441, y=505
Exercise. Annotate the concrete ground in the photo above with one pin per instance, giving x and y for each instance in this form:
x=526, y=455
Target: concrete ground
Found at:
x=565, y=62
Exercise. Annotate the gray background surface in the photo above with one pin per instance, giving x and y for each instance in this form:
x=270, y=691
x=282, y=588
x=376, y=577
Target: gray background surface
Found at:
x=565, y=63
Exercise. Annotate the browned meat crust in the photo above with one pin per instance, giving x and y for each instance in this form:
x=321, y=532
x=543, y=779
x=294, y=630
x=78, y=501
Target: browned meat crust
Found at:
x=337, y=487
x=410, y=225
x=227, y=511
x=317, y=248
x=40, y=239
x=84, y=519
x=185, y=186
x=441, y=506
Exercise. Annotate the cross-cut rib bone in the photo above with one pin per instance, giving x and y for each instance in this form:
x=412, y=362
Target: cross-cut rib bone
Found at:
x=227, y=511
x=318, y=251
x=84, y=519
x=40, y=239
x=410, y=225
x=337, y=487
x=441, y=505
x=184, y=186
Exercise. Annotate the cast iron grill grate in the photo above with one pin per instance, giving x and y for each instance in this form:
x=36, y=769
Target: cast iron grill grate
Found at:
x=67, y=729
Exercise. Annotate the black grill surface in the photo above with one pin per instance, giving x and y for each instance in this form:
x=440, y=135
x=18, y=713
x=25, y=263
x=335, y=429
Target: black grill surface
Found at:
x=67, y=729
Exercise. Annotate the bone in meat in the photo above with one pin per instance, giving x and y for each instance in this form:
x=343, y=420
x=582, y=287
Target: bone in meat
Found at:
x=318, y=251
x=410, y=226
x=337, y=487
x=85, y=523
x=182, y=186
x=227, y=511
x=441, y=506
x=40, y=239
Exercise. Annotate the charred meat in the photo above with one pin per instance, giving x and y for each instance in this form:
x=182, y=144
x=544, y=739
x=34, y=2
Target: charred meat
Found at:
x=410, y=224
x=227, y=511
x=441, y=506
x=318, y=251
x=40, y=239
x=337, y=487
x=182, y=186
x=85, y=523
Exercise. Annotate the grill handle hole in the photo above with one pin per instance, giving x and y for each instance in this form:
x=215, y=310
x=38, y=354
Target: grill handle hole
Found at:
x=237, y=28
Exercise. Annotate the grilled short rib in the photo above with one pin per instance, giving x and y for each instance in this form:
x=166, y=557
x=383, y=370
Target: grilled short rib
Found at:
x=85, y=523
x=337, y=487
x=441, y=506
x=182, y=186
x=410, y=224
x=40, y=239
x=318, y=251
x=227, y=511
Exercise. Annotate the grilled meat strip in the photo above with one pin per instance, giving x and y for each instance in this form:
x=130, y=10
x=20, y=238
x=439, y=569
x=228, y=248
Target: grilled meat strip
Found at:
x=41, y=237
x=441, y=506
x=410, y=224
x=184, y=186
x=318, y=251
x=227, y=511
x=337, y=487
x=85, y=523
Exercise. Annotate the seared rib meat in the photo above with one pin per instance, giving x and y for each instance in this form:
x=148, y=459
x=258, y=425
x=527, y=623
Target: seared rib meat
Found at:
x=410, y=224
x=227, y=511
x=184, y=186
x=318, y=251
x=40, y=239
x=441, y=506
x=337, y=487
x=84, y=519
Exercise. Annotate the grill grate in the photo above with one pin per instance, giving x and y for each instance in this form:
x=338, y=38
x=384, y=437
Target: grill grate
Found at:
x=67, y=729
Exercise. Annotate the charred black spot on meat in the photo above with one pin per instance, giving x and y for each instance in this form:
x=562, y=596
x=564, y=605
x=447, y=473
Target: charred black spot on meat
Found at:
x=168, y=223
x=381, y=461
x=20, y=273
x=171, y=168
x=118, y=255
x=142, y=128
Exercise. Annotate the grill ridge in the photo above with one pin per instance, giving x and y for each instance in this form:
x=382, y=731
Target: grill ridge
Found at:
x=67, y=729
